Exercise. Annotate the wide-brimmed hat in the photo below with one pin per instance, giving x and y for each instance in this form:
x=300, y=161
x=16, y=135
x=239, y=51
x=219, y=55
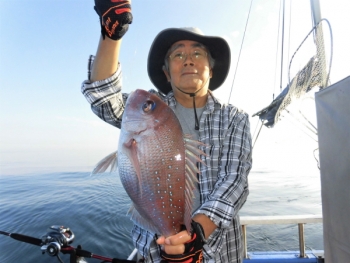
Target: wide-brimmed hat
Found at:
x=218, y=47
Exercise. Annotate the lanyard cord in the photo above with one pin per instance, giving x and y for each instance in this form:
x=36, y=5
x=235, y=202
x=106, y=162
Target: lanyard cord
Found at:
x=193, y=95
x=196, y=126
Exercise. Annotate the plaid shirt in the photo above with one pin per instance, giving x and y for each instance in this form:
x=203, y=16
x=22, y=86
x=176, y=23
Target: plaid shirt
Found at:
x=223, y=182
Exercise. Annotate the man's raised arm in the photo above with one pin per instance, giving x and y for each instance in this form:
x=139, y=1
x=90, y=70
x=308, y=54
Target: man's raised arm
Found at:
x=115, y=17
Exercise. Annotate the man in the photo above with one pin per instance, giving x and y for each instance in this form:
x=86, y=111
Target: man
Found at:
x=185, y=66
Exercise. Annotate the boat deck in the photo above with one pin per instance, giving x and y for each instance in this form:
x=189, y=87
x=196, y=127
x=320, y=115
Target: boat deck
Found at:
x=301, y=256
x=285, y=257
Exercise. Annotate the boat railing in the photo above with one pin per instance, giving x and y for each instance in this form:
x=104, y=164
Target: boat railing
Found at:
x=300, y=220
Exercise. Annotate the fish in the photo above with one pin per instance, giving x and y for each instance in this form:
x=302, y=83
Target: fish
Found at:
x=157, y=164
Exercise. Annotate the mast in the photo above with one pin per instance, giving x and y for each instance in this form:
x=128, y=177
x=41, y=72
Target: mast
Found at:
x=319, y=41
x=316, y=11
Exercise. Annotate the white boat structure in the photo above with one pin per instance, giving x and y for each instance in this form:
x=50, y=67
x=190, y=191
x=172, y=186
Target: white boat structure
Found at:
x=333, y=111
x=332, y=133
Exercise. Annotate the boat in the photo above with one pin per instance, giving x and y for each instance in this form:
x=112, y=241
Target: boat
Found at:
x=333, y=134
x=332, y=105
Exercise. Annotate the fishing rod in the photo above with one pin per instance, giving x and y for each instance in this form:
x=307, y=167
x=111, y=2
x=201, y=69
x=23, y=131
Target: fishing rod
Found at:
x=57, y=240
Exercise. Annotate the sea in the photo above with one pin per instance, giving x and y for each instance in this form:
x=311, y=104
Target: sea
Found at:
x=95, y=208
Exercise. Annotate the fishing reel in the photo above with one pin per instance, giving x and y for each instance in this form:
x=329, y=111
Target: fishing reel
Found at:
x=57, y=237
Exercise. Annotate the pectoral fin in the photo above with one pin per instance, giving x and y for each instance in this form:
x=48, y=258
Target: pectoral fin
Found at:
x=110, y=160
x=131, y=152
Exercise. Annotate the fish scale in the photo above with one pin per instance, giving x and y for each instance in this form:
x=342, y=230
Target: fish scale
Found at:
x=162, y=179
x=156, y=164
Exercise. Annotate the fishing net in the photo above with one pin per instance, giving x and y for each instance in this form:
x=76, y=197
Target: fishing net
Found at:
x=314, y=73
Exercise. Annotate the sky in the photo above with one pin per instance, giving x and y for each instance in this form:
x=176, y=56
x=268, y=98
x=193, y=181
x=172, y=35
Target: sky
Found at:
x=46, y=124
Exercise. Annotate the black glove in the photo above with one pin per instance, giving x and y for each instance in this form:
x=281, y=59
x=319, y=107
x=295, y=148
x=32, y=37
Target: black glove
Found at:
x=193, y=248
x=115, y=17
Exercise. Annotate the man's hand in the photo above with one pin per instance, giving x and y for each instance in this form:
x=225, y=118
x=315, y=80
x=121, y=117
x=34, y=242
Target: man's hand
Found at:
x=115, y=17
x=182, y=247
x=174, y=244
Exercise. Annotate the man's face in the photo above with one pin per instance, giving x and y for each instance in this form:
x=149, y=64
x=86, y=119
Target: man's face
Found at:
x=188, y=67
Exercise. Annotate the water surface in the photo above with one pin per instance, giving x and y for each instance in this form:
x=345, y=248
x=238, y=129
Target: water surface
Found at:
x=95, y=208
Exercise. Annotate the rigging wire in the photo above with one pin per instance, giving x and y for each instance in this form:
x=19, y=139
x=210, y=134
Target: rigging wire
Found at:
x=256, y=137
x=290, y=26
x=306, y=119
x=317, y=160
x=278, y=37
x=302, y=126
x=308, y=125
x=240, y=51
x=282, y=45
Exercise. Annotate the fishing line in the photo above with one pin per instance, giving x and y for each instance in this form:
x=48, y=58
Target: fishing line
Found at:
x=240, y=51
x=59, y=259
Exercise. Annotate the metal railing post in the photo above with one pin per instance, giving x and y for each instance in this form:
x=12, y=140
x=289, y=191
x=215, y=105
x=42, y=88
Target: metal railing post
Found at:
x=244, y=232
x=273, y=220
x=301, y=240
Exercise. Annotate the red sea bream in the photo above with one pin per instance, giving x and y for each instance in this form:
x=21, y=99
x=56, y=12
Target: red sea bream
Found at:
x=157, y=164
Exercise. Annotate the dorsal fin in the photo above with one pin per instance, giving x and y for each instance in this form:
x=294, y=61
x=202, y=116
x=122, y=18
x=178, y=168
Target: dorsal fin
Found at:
x=192, y=157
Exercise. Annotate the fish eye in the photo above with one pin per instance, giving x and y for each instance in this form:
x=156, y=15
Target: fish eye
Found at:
x=148, y=106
